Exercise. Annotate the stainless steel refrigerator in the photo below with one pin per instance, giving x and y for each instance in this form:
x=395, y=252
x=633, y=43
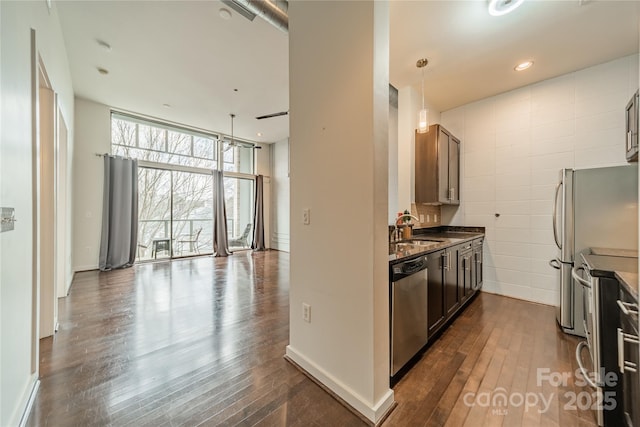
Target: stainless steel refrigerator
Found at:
x=592, y=208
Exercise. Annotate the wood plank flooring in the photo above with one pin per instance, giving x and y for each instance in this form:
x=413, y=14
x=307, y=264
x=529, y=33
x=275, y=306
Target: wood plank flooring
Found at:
x=201, y=342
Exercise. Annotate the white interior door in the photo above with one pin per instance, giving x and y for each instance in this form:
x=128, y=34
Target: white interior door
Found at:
x=61, y=252
x=48, y=299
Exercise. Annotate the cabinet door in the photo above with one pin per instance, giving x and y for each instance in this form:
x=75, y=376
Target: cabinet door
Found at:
x=451, y=294
x=632, y=128
x=454, y=171
x=443, y=166
x=477, y=265
x=465, y=261
x=435, y=293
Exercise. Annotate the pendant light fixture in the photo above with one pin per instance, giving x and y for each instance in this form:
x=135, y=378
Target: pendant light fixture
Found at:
x=423, y=114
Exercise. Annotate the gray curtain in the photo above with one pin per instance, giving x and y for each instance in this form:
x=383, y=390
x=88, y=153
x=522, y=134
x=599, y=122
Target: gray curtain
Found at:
x=119, y=213
x=220, y=243
x=257, y=244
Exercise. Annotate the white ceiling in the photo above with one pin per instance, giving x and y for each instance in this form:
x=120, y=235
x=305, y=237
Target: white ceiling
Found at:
x=183, y=54
x=472, y=54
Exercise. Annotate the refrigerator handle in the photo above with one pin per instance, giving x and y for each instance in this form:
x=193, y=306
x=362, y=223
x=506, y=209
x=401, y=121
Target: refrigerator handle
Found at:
x=576, y=276
x=555, y=213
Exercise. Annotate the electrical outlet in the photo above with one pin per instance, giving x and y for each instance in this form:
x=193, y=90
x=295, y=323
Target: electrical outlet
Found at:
x=306, y=312
x=421, y=218
x=306, y=216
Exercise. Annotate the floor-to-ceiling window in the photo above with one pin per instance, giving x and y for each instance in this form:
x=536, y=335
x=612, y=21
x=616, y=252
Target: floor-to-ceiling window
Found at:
x=176, y=186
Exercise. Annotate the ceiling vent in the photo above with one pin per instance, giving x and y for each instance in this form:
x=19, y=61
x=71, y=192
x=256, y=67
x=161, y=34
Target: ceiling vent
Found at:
x=272, y=11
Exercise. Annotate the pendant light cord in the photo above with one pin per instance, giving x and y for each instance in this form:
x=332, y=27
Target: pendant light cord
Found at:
x=422, y=69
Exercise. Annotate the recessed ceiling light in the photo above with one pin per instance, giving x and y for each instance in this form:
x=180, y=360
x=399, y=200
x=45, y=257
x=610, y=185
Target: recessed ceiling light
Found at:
x=259, y=134
x=502, y=7
x=103, y=44
x=225, y=13
x=523, y=66
x=103, y=71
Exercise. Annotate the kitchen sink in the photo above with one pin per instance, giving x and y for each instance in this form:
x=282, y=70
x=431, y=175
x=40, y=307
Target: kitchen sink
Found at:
x=414, y=243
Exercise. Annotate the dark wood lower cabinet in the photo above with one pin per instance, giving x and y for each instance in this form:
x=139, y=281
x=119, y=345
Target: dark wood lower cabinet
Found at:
x=435, y=295
x=465, y=262
x=450, y=279
x=476, y=267
x=455, y=274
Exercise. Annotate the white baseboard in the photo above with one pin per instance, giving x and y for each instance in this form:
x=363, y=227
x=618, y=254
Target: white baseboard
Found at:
x=375, y=413
x=35, y=385
x=280, y=241
x=84, y=268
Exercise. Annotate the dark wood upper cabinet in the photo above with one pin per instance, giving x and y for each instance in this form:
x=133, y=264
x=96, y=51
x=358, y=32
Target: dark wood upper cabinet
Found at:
x=437, y=168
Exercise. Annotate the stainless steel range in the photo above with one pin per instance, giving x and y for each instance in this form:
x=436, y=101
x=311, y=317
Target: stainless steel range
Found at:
x=608, y=359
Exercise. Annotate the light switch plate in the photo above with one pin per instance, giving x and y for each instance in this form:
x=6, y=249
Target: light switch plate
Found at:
x=7, y=219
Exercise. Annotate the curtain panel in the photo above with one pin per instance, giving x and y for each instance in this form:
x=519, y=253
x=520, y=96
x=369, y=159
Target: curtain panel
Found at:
x=257, y=244
x=119, y=238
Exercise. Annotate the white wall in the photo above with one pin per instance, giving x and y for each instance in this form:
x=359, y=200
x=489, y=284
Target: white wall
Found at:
x=393, y=154
x=16, y=296
x=513, y=146
x=93, y=135
x=280, y=195
x=339, y=161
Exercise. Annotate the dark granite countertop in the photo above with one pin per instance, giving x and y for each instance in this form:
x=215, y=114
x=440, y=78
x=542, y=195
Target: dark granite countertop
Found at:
x=623, y=268
x=427, y=240
x=629, y=281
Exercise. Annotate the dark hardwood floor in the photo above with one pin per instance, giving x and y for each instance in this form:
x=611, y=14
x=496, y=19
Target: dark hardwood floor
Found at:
x=201, y=342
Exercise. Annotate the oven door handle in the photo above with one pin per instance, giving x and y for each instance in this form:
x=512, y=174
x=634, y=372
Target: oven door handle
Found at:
x=576, y=276
x=627, y=307
x=581, y=368
x=624, y=365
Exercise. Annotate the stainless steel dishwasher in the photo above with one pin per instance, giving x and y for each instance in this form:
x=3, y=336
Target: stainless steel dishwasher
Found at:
x=408, y=310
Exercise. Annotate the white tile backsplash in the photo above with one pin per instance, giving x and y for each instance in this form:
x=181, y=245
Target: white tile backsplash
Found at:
x=519, y=178
x=541, y=207
x=606, y=102
x=541, y=222
x=514, y=145
x=555, y=161
x=513, y=193
x=598, y=138
x=554, y=145
x=547, y=251
x=480, y=208
x=601, y=156
x=512, y=249
x=507, y=262
x=545, y=177
x=513, y=221
x=599, y=122
x=516, y=138
x=518, y=207
x=520, y=235
x=479, y=163
x=480, y=183
x=542, y=192
x=552, y=129
x=553, y=112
